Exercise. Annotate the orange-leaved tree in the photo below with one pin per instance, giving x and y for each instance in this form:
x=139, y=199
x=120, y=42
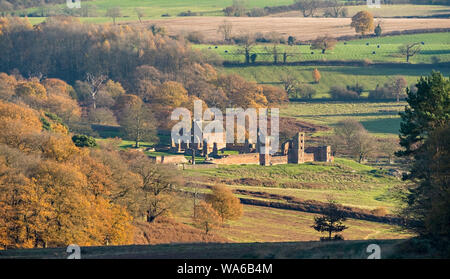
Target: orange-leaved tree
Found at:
x=363, y=22
x=225, y=203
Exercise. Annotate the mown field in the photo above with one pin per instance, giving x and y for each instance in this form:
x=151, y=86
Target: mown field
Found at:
x=384, y=49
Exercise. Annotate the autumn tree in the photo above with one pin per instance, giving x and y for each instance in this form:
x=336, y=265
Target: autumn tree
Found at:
x=316, y=75
x=7, y=86
x=153, y=196
x=242, y=93
x=225, y=203
x=399, y=85
x=138, y=122
x=351, y=138
x=324, y=43
x=275, y=95
x=409, y=50
x=206, y=218
x=331, y=220
x=363, y=22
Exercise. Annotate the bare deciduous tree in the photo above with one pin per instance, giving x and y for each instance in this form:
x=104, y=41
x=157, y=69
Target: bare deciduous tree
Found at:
x=409, y=50
x=226, y=29
x=246, y=44
x=96, y=83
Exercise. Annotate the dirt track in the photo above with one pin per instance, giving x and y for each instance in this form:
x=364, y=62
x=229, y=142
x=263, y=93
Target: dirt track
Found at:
x=302, y=28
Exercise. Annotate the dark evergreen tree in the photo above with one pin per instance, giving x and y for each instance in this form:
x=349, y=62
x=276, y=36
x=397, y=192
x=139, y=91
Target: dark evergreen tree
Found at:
x=330, y=221
x=428, y=108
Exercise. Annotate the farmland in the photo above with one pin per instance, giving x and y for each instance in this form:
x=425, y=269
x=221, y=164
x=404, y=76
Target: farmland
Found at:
x=379, y=118
x=302, y=28
x=383, y=49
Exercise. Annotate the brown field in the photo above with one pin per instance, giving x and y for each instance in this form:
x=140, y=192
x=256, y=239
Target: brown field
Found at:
x=302, y=28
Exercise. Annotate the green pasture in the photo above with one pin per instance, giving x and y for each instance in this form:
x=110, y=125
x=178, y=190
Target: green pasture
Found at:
x=379, y=118
x=435, y=47
x=368, y=77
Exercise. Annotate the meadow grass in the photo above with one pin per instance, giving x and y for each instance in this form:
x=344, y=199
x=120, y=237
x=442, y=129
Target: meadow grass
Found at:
x=382, y=49
x=367, y=77
x=156, y=8
x=379, y=118
x=264, y=224
x=349, y=182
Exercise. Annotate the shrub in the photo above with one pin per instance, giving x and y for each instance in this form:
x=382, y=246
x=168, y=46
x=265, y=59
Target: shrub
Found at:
x=84, y=141
x=257, y=12
x=188, y=13
x=305, y=91
x=195, y=37
x=341, y=93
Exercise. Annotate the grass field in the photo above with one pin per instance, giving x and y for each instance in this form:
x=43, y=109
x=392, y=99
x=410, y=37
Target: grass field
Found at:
x=379, y=118
x=383, y=49
x=156, y=8
x=348, y=182
x=368, y=77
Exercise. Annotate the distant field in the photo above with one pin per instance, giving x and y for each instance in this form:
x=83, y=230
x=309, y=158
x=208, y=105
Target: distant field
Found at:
x=383, y=49
x=156, y=8
x=380, y=118
x=368, y=77
x=301, y=28
x=391, y=11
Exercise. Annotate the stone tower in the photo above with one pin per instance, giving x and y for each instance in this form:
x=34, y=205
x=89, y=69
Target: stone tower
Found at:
x=296, y=153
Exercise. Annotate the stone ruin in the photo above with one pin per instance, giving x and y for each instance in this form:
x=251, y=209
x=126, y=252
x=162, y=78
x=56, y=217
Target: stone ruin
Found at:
x=292, y=151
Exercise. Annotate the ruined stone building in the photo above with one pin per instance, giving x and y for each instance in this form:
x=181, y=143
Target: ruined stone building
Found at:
x=207, y=144
x=292, y=152
x=212, y=146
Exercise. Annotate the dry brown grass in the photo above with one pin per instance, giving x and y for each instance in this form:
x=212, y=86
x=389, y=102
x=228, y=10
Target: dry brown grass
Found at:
x=165, y=230
x=302, y=28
